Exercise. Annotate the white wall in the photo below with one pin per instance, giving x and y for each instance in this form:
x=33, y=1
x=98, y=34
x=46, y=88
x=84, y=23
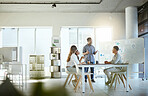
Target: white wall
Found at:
x=57, y=20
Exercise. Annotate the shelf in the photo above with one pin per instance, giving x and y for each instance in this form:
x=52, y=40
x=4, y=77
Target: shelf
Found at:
x=55, y=74
x=55, y=67
x=36, y=70
x=55, y=50
x=36, y=66
x=55, y=56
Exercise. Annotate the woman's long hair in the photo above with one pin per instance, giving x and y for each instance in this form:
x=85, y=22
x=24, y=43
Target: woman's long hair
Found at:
x=73, y=49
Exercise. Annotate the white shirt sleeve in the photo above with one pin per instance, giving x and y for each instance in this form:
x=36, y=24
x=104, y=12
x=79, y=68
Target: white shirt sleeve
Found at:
x=117, y=59
x=112, y=62
x=74, y=59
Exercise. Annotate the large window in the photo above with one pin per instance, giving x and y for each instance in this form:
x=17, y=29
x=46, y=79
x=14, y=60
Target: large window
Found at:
x=43, y=44
x=26, y=42
x=31, y=40
x=102, y=34
x=83, y=34
x=9, y=36
x=78, y=36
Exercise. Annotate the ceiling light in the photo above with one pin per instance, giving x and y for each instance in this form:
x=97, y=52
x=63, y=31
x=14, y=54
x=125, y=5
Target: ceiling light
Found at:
x=53, y=5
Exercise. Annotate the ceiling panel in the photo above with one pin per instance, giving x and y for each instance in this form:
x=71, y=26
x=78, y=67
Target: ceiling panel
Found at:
x=105, y=6
x=49, y=0
x=126, y=3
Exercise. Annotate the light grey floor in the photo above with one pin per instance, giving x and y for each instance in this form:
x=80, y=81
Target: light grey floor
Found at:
x=140, y=88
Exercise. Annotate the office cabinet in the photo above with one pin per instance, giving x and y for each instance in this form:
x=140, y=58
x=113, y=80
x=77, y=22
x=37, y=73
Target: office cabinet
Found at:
x=36, y=66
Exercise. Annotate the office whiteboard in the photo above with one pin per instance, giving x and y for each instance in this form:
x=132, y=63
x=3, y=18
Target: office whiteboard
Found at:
x=131, y=50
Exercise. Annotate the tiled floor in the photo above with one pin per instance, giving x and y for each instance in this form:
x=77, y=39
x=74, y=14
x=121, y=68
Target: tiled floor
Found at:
x=140, y=88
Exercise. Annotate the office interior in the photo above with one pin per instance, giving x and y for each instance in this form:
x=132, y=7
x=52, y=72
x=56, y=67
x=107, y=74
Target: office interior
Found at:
x=36, y=37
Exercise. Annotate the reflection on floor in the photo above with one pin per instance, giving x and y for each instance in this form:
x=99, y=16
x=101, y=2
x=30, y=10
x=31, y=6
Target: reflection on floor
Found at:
x=140, y=88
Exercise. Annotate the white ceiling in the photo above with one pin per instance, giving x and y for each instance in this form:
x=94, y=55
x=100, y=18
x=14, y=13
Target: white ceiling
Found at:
x=105, y=6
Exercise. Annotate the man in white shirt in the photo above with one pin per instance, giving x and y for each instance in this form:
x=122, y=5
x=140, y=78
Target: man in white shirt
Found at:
x=116, y=60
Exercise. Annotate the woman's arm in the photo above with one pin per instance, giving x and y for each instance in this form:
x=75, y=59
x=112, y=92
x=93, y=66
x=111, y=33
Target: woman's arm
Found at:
x=82, y=63
x=81, y=59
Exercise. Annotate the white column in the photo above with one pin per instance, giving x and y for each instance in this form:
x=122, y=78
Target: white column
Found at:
x=132, y=32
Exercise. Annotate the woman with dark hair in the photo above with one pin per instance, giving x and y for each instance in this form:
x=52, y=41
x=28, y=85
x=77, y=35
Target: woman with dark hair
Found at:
x=72, y=57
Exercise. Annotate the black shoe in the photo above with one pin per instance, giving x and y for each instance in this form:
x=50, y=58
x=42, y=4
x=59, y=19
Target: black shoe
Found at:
x=93, y=80
x=86, y=81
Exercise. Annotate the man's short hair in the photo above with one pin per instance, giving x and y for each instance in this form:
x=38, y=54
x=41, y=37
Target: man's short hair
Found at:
x=88, y=39
x=116, y=47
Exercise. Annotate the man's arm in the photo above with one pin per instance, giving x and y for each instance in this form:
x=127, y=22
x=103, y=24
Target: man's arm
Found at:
x=114, y=61
x=84, y=51
x=109, y=62
x=106, y=62
x=94, y=51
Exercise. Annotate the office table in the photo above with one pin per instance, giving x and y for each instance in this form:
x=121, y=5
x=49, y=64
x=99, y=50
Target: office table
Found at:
x=102, y=65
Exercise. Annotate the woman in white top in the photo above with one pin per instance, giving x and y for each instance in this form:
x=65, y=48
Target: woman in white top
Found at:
x=72, y=57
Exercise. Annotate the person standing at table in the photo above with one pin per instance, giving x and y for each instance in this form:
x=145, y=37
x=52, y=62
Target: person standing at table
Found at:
x=89, y=52
x=115, y=60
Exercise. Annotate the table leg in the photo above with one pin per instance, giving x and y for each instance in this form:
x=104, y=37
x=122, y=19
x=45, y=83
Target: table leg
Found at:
x=127, y=82
x=105, y=77
x=22, y=77
x=25, y=76
x=83, y=80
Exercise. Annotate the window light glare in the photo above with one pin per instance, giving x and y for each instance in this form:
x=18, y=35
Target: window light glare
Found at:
x=104, y=34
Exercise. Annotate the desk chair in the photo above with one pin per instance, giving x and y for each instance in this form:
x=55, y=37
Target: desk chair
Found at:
x=72, y=74
x=119, y=76
x=15, y=70
x=3, y=73
x=79, y=72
